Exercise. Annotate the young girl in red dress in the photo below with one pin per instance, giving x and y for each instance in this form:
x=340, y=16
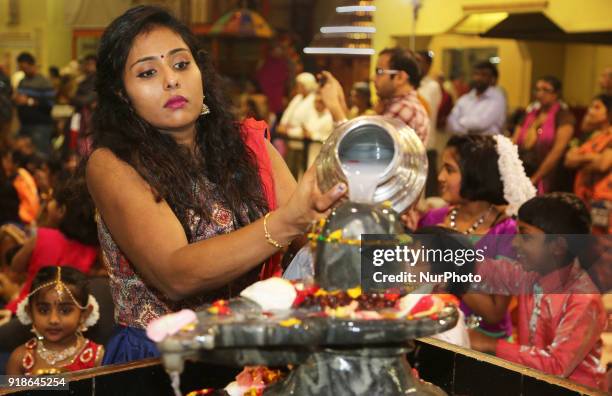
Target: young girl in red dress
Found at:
x=59, y=308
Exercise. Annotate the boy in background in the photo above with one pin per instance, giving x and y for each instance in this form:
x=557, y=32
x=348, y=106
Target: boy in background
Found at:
x=560, y=311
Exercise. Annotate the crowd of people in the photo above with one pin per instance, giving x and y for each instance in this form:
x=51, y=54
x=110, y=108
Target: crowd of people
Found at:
x=153, y=143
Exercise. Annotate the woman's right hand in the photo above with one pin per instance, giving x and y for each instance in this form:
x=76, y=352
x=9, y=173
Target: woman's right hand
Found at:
x=308, y=203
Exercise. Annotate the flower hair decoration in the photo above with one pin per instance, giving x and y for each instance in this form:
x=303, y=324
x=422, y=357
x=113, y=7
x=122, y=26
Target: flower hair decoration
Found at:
x=517, y=186
x=60, y=287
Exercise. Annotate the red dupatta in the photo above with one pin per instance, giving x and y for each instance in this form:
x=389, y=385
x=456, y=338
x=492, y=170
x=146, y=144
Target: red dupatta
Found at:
x=255, y=133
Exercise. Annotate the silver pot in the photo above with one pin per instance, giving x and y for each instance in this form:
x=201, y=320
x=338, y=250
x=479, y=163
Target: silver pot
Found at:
x=385, y=142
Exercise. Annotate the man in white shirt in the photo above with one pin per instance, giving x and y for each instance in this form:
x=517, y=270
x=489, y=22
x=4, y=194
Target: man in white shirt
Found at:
x=298, y=112
x=430, y=90
x=483, y=109
x=318, y=128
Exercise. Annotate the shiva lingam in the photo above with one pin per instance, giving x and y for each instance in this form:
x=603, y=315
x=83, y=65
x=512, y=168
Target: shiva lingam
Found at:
x=337, y=339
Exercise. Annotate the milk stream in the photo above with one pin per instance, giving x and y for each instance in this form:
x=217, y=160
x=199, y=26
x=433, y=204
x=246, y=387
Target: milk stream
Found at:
x=175, y=378
x=363, y=177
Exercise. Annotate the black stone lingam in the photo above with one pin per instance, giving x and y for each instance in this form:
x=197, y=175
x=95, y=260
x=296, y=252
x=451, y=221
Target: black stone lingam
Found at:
x=338, y=265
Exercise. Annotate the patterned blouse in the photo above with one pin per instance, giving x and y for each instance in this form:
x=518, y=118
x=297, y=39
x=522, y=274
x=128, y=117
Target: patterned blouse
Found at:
x=136, y=302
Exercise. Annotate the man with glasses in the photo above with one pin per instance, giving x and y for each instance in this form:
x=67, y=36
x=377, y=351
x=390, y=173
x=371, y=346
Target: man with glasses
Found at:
x=396, y=79
x=483, y=109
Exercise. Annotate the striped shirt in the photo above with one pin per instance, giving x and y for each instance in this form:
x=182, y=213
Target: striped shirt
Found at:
x=409, y=109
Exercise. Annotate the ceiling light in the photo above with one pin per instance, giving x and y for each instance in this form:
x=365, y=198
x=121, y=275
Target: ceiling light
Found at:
x=348, y=29
x=356, y=9
x=339, y=50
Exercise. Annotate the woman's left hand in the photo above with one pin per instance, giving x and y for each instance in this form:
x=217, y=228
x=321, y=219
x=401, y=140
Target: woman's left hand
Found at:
x=308, y=203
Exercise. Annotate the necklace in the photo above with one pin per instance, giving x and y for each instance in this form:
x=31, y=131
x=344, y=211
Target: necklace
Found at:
x=53, y=357
x=473, y=227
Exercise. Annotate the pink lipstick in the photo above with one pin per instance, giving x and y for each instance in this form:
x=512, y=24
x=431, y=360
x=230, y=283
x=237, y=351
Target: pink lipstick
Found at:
x=176, y=102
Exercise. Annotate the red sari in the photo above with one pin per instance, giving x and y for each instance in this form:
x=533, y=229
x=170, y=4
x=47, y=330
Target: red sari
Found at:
x=595, y=186
x=255, y=133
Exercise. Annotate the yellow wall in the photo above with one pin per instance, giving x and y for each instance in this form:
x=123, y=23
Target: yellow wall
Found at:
x=583, y=66
x=393, y=18
x=581, y=15
x=513, y=71
x=514, y=68
x=59, y=35
x=41, y=30
x=577, y=65
x=547, y=59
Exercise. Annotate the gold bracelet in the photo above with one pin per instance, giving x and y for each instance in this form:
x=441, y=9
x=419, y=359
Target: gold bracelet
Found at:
x=267, y=233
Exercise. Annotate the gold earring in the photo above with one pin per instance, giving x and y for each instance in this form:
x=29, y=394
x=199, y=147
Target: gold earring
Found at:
x=39, y=336
x=205, y=110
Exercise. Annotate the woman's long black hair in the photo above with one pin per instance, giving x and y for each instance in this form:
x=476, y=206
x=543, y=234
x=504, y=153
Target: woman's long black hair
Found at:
x=221, y=155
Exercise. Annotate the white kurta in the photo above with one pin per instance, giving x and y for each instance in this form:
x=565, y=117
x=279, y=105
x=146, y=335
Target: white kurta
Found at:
x=431, y=92
x=297, y=114
x=320, y=127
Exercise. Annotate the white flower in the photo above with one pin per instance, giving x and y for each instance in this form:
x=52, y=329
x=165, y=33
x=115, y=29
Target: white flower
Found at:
x=91, y=320
x=517, y=186
x=93, y=317
x=22, y=315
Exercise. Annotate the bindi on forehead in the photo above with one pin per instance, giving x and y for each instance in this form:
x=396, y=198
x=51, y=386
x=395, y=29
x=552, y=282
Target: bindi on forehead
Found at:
x=51, y=296
x=161, y=56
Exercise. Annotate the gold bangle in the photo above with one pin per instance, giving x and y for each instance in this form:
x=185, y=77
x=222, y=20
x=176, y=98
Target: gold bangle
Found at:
x=267, y=233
